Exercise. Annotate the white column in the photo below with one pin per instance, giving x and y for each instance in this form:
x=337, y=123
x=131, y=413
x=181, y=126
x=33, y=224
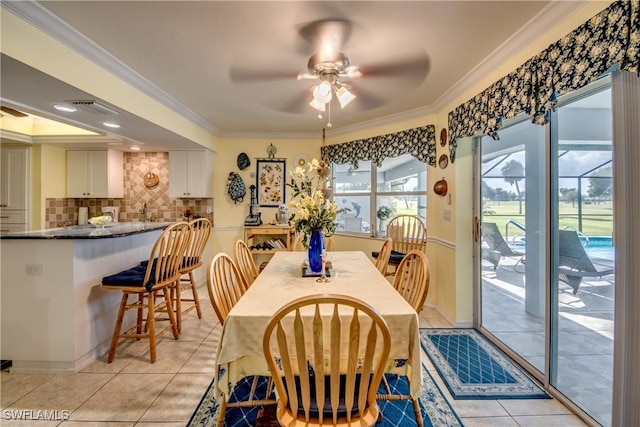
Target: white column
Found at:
x=626, y=182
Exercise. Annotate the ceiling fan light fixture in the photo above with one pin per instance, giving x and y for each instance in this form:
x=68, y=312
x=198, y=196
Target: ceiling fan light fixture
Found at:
x=344, y=96
x=322, y=92
x=317, y=104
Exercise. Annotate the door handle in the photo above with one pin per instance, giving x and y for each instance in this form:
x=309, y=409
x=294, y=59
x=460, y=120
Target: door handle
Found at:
x=476, y=229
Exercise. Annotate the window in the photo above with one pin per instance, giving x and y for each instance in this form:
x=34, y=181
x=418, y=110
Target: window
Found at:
x=400, y=184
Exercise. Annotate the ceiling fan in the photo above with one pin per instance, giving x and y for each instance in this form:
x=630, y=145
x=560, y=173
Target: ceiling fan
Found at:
x=338, y=79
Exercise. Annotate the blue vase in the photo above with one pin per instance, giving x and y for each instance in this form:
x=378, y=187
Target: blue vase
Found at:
x=316, y=246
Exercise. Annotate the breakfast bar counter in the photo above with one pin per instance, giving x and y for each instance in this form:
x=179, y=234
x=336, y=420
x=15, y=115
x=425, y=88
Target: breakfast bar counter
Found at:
x=55, y=317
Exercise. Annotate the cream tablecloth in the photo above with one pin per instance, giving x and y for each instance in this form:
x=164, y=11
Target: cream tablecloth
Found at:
x=240, y=348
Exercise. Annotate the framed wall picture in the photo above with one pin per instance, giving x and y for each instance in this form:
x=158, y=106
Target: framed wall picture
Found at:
x=270, y=182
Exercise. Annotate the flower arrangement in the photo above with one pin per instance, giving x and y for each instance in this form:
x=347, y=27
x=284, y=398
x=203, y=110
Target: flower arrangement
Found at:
x=315, y=211
x=384, y=213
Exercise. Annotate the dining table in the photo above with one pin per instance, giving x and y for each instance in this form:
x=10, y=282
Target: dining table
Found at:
x=352, y=273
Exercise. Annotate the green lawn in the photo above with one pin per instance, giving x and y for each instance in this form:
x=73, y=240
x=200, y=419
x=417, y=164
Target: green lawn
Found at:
x=597, y=220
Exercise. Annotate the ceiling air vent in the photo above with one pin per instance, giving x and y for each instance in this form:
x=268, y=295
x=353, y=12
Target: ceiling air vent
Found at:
x=93, y=106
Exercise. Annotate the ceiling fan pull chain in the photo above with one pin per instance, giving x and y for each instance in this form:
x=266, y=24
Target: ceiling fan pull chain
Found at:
x=329, y=106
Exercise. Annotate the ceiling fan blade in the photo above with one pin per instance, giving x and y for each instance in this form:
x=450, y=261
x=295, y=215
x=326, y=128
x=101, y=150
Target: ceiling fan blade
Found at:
x=365, y=99
x=351, y=73
x=297, y=104
x=306, y=76
x=256, y=76
x=415, y=68
x=327, y=35
x=13, y=112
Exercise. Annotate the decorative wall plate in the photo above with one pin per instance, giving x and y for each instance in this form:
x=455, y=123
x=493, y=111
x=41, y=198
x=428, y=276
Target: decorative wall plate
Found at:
x=443, y=161
x=443, y=137
x=151, y=179
x=301, y=160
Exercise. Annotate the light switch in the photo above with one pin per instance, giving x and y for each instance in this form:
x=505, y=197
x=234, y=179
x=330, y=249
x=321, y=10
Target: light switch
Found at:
x=446, y=214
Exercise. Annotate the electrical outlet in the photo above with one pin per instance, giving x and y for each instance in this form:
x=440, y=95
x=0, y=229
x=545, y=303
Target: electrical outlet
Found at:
x=34, y=269
x=209, y=209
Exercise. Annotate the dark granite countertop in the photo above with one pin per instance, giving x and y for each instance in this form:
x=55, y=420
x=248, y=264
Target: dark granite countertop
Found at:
x=119, y=229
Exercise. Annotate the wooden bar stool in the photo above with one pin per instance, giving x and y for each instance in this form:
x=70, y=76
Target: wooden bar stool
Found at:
x=200, y=231
x=147, y=283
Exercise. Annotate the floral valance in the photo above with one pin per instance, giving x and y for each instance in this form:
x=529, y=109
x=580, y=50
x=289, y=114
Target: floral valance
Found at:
x=419, y=142
x=611, y=38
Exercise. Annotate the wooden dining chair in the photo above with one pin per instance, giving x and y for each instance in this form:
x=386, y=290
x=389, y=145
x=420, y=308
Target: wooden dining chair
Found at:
x=244, y=261
x=328, y=363
x=200, y=231
x=382, y=261
x=226, y=286
x=296, y=243
x=412, y=278
x=329, y=244
x=148, y=283
x=408, y=233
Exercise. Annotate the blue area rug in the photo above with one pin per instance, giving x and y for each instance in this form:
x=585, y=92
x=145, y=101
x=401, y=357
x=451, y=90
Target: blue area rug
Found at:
x=473, y=368
x=436, y=411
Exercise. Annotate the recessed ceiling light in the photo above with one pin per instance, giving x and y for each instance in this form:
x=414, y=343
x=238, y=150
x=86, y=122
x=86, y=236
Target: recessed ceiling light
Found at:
x=113, y=125
x=135, y=148
x=65, y=108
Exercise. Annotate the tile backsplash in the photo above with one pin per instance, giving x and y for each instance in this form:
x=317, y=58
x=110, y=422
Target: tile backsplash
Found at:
x=160, y=207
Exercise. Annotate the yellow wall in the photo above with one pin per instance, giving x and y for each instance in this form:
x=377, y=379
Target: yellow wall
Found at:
x=229, y=216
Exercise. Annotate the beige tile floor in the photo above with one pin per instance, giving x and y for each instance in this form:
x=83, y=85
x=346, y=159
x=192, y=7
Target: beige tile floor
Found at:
x=132, y=391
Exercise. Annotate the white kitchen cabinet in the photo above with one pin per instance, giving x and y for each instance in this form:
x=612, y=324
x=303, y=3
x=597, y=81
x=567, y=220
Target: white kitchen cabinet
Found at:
x=95, y=174
x=14, y=187
x=190, y=173
x=15, y=174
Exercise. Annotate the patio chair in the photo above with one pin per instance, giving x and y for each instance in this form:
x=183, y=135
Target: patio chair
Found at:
x=496, y=246
x=574, y=262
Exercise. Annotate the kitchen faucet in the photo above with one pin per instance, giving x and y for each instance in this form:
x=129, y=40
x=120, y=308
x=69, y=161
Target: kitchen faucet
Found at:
x=144, y=212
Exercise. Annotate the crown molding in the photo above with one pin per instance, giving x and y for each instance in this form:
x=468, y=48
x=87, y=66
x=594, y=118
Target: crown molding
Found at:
x=41, y=18
x=10, y=136
x=76, y=139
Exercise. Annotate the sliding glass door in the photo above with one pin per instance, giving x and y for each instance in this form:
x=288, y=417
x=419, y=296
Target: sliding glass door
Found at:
x=583, y=254
x=545, y=275
x=513, y=230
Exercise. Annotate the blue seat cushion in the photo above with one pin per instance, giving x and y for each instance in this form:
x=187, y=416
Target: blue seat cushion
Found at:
x=133, y=277
x=394, y=258
x=185, y=262
x=327, y=412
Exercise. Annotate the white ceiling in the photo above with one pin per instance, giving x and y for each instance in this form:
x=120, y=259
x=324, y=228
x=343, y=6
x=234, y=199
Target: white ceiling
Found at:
x=189, y=55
